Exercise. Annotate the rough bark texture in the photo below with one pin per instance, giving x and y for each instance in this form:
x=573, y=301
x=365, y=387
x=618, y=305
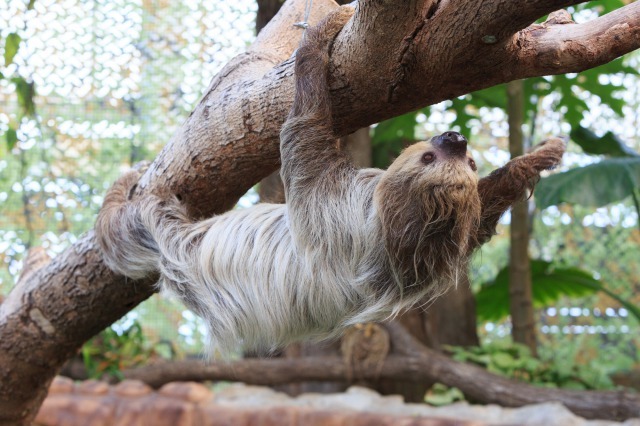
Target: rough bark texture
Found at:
x=411, y=362
x=271, y=189
x=45, y=320
x=387, y=61
x=520, y=292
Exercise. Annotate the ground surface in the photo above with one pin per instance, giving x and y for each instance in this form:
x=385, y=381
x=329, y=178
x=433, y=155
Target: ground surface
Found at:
x=132, y=403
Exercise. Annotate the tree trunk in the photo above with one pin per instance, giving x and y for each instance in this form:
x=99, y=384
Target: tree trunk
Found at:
x=449, y=320
x=388, y=60
x=520, y=296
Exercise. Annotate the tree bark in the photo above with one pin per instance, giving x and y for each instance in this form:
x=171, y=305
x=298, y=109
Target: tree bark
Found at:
x=271, y=189
x=388, y=60
x=411, y=362
x=449, y=320
x=520, y=292
x=267, y=9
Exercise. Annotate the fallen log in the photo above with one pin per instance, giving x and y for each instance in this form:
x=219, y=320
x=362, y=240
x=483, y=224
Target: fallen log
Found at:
x=411, y=362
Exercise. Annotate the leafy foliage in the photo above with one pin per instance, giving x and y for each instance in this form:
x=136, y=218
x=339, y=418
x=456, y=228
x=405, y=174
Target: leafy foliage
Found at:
x=569, y=87
x=597, y=184
x=548, y=285
x=515, y=360
x=609, y=144
x=594, y=185
x=11, y=137
x=26, y=91
x=440, y=394
x=110, y=352
x=391, y=136
x=11, y=45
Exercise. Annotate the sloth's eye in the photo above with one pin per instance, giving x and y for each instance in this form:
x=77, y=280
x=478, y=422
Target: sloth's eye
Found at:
x=428, y=157
x=473, y=164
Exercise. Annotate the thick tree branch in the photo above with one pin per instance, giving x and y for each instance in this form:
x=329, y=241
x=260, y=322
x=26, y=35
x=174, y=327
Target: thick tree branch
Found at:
x=415, y=363
x=507, y=19
x=388, y=60
x=554, y=49
x=428, y=57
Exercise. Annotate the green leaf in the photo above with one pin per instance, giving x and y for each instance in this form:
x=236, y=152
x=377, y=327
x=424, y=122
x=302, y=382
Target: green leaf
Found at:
x=30, y=4
x=12, y=137
x=574, y=385
x=602, y=7
x=575, y=107
x=12, y=43
x=398, y=128
x=548, y=285
x=492, y=301
x=26, y=92
x=609, y=144
x=391, y=136
x=492, y=97
x=503, y=360
x=594, y=185
x=442, y=395
x=589, y=80
x=531, y=364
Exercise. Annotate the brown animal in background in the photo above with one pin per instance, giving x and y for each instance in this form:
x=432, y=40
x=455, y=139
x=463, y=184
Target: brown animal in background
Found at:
x=349, y=246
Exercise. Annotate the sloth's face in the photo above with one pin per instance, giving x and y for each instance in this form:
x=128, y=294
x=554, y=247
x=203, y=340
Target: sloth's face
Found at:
x=440, y=164
x=429, y=206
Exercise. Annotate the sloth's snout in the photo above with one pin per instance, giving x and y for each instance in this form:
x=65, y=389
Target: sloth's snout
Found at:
x=452, y=143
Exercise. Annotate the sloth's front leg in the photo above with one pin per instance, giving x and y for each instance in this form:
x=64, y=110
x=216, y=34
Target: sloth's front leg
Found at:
x=513, y=182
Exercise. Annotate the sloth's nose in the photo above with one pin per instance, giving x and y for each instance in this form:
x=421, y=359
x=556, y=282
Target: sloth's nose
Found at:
x=453, y=143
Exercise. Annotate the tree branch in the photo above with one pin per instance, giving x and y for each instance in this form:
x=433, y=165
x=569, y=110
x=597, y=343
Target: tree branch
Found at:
x=507, y=20
x=427, y=58
x=556, y=48
x=415, y=363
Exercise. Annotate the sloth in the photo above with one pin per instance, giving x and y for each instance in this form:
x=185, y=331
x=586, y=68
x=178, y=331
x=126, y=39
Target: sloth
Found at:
x=349, y=246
